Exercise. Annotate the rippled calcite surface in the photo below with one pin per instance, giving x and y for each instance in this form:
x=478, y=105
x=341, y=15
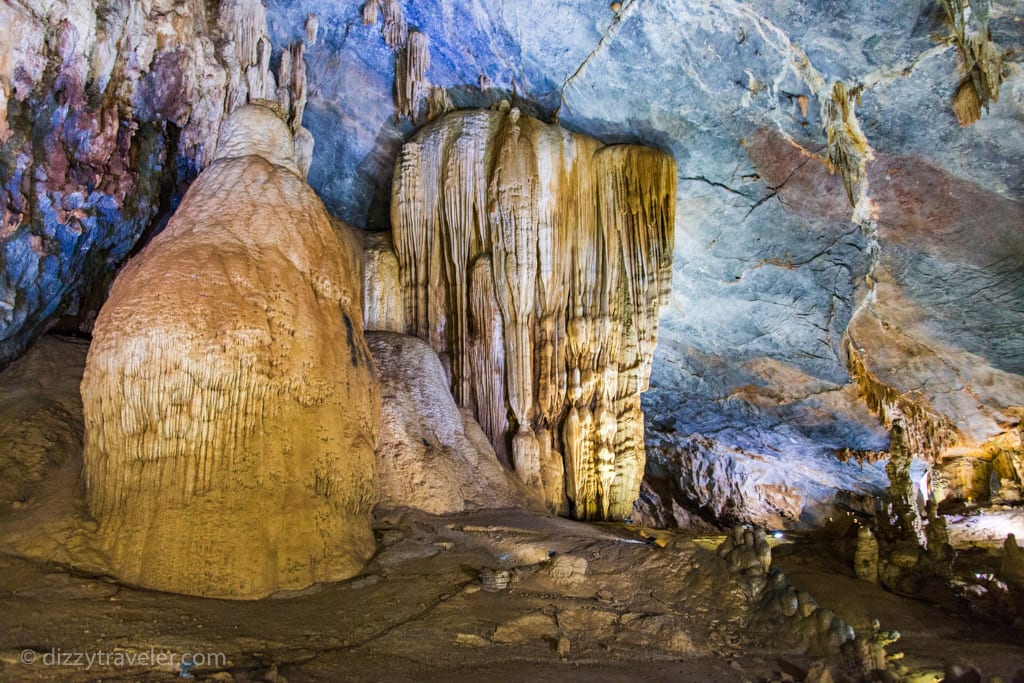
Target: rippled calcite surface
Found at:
x=231, y=404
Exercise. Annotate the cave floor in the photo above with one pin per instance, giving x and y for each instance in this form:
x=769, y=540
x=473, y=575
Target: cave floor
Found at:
x=583, y=602
x=937, y=627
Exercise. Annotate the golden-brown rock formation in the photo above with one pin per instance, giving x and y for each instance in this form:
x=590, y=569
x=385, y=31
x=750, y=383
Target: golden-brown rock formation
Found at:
x=982, y=58
x=848, y=150
x=534, y=261
x=926, y=434
x=231, y=405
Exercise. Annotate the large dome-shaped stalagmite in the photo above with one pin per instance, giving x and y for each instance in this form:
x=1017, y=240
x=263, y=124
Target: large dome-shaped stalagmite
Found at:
x=231, y=405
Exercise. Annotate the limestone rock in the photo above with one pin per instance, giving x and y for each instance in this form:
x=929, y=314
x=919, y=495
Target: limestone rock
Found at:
x=525, y=628
x=471, y=640
x=231, y=405
x=432, y=455
x=865, y=560
x=109, y=110
x=536, y=261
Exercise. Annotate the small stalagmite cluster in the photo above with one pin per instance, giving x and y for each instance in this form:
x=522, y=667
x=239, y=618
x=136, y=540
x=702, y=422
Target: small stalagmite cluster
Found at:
x=231, y=405
x=534, y=260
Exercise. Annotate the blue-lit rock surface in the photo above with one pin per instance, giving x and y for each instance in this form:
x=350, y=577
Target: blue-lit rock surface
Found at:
x=750, y=391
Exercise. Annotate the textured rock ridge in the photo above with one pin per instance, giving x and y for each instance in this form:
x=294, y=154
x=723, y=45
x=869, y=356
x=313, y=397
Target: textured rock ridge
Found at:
x=535, y=261
x=231, y=405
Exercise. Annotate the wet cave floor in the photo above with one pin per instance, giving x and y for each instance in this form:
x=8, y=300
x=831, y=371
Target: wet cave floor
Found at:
x=488, y=594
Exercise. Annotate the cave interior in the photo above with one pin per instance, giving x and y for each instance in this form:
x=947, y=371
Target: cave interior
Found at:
x=419, y=340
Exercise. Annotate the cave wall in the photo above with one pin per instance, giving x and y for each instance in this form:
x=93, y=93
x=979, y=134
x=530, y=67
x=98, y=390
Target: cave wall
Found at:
x=108, y=111
x=774, y=271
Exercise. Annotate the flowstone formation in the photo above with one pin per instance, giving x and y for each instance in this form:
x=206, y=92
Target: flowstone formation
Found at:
x=535, y=261
x=231, y=405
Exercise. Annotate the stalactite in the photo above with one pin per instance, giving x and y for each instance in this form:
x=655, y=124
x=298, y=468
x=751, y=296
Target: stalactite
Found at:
x=238, y=87
x=260, y=79
x=249, y=18
x=411, y=64
x=312, y=28
x=535, y=261
x=925, y=434
x=284, y=81
x=370, y=12
x=412, y=59
x=512, y=205
x=298, y=86
x=848, y=150
x=982, y=58
x=395, y=30
x=487, y=357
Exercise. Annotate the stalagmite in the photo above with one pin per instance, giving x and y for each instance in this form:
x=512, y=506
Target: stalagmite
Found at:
x=432, y=454
x=554, y=253
x=865, y=560
x=231, y=406
x=982, y=58
x=1012, y=567
x=906, y=518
